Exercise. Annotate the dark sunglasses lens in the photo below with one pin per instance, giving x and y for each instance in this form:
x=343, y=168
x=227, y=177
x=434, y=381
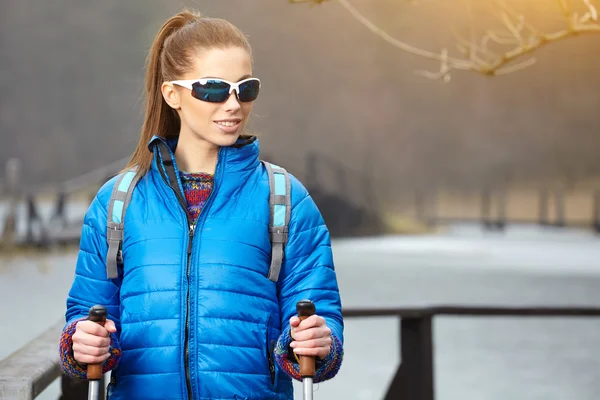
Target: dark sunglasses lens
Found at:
x=249, y=90
x=212, y=91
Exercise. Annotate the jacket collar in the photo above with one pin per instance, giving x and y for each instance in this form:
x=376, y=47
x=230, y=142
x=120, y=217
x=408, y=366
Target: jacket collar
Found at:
x=241, y=156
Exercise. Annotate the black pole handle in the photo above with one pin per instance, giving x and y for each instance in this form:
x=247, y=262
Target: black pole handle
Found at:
x=97, y=314
x=305, y=308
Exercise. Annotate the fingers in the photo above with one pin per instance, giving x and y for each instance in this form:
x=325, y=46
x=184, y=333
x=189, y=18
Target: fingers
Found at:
x=311, y=334
x=311, y=328
x=89, y=354
x=310, y=322
x=91, y=342
x=110, y=326
x=311, y=344
x=315, y=348
x=311, y=337
x=294, y=321
x=92, y=328
x=85, y=358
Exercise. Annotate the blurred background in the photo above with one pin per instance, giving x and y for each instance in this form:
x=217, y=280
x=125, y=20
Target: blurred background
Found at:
x=441, y=183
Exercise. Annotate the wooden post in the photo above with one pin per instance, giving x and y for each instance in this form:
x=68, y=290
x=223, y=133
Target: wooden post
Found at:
x=543, y=217
x=432, y=206
x=489, y=219
x=414, y=378
x=343, y=183
x=559, y=200
x=311, y=170
x=59, y=218
x=596, y=211
x=502, y=206
x=420, y=206
x=426, y=209
x=486, y=208
x=12, y=172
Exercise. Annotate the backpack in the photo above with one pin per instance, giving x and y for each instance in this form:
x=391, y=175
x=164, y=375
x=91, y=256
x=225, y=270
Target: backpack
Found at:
x=279, y=204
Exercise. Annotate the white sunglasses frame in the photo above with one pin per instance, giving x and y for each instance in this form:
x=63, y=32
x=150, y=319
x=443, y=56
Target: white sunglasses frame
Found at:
x=233, y=86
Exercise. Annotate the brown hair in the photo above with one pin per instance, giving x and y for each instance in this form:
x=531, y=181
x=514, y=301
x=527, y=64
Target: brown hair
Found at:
x=171, y=56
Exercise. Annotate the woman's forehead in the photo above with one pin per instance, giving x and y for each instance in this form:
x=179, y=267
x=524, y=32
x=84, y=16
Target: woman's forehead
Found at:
x=231, y=63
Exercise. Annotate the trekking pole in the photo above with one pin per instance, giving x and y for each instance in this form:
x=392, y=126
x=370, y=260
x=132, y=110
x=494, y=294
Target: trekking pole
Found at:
x=305, y=309
x=97, y=314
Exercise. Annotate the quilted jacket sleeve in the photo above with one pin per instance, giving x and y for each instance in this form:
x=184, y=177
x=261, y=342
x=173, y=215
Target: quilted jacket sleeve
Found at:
x=308, y=273
x=90, y=285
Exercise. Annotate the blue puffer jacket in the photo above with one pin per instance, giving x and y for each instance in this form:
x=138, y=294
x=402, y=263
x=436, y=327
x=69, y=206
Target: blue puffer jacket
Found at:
x=206, y=322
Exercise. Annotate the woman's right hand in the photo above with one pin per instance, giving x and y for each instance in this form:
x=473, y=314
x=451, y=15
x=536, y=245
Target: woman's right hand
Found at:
x=91, y=341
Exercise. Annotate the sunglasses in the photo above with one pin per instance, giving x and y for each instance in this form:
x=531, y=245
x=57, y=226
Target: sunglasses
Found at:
x=214, y=90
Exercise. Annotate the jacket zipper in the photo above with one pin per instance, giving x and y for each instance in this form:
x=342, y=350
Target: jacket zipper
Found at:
x=198, y=220
x=269, y=346
x=188, y=379
x=191, y=231
x=270, y=349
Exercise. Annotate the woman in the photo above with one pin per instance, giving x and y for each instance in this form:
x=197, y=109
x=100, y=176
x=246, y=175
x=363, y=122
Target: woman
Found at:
x=192, y=313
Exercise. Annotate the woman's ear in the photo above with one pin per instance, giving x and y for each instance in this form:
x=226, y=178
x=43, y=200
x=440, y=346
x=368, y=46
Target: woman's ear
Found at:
x=171, y=95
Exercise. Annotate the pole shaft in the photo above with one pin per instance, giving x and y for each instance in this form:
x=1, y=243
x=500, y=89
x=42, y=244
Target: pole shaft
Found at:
x=94, y=390
x=308, y=388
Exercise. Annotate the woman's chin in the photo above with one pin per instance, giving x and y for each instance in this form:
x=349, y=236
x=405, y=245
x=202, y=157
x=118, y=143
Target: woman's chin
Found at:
x=224, y=140
x=219, y=138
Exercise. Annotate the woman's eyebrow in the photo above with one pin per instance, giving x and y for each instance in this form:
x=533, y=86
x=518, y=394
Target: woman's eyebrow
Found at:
x=217, y=77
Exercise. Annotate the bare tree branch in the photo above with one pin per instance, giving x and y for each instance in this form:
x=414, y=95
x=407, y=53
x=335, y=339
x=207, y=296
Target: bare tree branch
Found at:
x=521, y=37
x=502, y=4
x=592, y=13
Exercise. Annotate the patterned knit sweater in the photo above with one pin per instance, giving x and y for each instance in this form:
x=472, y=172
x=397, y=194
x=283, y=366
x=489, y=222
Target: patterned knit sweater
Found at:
x=197, y=188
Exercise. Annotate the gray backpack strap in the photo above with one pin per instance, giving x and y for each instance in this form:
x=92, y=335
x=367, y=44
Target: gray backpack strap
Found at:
x=280, y=204
x=119, y=200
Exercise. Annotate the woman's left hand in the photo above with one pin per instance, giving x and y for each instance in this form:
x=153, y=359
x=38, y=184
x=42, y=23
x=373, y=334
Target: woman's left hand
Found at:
x=311, y=337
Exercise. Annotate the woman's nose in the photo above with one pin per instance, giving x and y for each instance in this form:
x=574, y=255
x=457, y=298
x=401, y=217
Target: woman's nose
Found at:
x=232, y=102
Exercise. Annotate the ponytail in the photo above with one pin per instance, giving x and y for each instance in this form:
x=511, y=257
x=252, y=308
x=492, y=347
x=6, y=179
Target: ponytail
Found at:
x=159, y=118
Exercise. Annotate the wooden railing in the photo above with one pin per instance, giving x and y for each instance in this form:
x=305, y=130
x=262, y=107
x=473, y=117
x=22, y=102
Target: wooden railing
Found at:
x=414, y=379
x=31, y=369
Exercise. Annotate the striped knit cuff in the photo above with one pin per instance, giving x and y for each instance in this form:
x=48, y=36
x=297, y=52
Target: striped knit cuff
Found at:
x=326, y=368
x=73, y=368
